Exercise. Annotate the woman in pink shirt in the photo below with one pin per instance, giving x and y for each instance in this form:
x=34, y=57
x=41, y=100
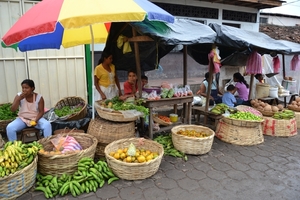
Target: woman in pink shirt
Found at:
x=242, y=88
x=31, y=109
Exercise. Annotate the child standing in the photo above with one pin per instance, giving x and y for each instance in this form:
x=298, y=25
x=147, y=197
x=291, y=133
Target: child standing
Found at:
x=228, y=97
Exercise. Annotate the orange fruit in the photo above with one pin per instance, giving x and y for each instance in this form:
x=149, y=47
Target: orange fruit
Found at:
x=128, y=159
x=125, y=150
x=148, y=152
x=122, y=156
x=141, y=159
x=117, y=156
x=149, y=157
x=120, y=151
x=112, y=154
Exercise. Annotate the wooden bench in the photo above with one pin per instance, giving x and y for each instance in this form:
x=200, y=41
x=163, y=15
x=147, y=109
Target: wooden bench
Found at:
x=199, y=110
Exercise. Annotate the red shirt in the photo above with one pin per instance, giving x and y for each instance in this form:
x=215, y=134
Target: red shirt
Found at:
x=128, y=88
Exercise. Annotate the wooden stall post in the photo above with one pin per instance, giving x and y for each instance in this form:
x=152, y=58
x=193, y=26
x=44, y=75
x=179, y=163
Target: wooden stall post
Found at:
x=210, y=79
x=138, y=63
x=251, y=83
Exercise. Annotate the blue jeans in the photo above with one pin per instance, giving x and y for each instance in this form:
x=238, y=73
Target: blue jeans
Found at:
x=18, y=125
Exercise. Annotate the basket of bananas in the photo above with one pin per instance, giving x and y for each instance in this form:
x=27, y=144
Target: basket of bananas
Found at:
x=18, y=166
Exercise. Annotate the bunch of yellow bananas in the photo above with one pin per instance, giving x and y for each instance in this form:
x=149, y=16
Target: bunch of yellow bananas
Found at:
x=16, y=156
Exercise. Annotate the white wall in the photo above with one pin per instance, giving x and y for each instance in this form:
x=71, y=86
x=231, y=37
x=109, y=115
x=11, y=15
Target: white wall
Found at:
x=281, y=20
x=244, y=25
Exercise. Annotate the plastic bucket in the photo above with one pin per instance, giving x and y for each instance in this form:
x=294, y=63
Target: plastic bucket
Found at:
x=273, y=92
x=262, y=90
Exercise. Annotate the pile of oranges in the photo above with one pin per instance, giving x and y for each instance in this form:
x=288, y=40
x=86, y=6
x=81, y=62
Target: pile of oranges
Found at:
x=141, y=155
x=193, y=133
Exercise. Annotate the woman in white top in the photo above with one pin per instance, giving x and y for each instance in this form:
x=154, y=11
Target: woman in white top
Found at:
x=214, y=92
x=31, y=111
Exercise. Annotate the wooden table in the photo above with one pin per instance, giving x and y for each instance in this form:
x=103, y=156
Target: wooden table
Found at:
x=187, y=101
x=200, y=110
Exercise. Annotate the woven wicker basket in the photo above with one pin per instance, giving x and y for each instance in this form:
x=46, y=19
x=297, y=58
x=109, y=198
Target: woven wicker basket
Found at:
x=65, y=163
x=238, y=134
x=73, y=101
x=114, y=116
x=297, y=117
x=191, y=145
x=4, y=123
x=106, y=132
x=279, y=127
x=67, y=130
x=100, y=150
x=242, y=123
x=134, y=171
x=161, y=122
x=16, y=184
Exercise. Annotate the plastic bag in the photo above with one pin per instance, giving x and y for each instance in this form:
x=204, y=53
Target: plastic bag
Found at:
x=153, y=95
x=65, y=144
x=188, y=90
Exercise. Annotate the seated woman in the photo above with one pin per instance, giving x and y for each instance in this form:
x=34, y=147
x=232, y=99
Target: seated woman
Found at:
x=242, y=88
x=214, y=92
x=31, y=111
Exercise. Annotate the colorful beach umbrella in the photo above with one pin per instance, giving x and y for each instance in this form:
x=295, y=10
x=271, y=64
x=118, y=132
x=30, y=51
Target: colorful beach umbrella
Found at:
x=51, y=24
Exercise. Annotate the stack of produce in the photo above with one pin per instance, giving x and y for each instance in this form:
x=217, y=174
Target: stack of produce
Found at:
x=166, y=142
x=221, y=108
x=134, y=155
x=6, y=115
x=16, y=156
x=286, y=114
x=68, y=110
x=241, y=115
x=295, y=105
x=118, y=105
x=89, y=177
x=192, y=139
x=262, y=106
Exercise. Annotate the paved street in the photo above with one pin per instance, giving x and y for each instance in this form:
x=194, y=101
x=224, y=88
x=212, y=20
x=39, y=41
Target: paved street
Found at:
x=267, y=171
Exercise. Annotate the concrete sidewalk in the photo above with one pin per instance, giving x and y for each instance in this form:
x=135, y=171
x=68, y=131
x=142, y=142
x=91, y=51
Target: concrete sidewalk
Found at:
x=269, y=171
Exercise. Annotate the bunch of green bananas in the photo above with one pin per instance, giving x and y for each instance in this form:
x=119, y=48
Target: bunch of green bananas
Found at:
x=169, y=149
x=15, y=156
x=219, y=109
x=286, y=114
x=87, y=178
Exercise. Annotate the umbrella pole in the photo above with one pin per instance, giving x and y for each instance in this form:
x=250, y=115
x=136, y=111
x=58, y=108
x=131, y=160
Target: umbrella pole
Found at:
x=93, y=81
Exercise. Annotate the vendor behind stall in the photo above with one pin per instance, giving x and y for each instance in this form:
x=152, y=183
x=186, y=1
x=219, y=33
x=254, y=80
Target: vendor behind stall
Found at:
x=130, y=86
x=214, y=92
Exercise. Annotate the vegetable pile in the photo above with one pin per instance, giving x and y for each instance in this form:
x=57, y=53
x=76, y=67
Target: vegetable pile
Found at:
x=117, y=105
x=68, y=110
x=88, y=178
x=169, y=149
x=6, y=113
x=245, y=116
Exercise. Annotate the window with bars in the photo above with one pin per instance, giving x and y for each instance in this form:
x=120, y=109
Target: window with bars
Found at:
x=190, y=11
x=239, y=16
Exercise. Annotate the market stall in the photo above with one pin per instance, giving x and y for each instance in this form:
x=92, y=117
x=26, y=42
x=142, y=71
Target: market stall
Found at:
x=153, y=42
